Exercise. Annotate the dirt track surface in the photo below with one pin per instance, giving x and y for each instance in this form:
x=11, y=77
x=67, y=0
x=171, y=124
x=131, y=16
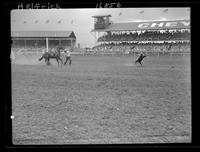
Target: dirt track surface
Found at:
x=100, y=100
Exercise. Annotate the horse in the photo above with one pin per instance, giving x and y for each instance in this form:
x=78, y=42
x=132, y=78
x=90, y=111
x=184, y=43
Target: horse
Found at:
x=52, y=55
x=139, y=60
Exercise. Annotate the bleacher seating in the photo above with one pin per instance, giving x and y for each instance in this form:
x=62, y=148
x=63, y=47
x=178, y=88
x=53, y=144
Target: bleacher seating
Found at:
x=146, y=36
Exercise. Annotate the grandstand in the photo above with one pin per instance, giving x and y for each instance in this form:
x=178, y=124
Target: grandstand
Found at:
x=152, y=36
x=32, y=38
x=42, y=40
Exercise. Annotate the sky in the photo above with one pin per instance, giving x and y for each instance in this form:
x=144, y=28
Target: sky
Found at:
x=81, y=22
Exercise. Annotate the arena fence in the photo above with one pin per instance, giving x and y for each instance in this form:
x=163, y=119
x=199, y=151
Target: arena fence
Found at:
x=149, y=53
x=107, y=53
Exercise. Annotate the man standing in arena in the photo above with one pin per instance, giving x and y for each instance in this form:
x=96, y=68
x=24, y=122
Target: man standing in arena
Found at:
x=68, y=57
x=139, y=60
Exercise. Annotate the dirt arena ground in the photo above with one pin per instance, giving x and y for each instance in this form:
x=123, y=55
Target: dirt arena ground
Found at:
x=101, y=100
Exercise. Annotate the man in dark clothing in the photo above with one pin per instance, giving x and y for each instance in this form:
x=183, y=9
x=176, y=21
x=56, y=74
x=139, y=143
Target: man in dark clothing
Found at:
x=139, y=60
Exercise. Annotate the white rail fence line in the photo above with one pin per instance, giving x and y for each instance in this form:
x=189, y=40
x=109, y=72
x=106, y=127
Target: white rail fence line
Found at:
x=104, y=53
x=130, y=54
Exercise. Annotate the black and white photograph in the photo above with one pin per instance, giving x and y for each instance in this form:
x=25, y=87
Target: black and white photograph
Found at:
x=101, y=76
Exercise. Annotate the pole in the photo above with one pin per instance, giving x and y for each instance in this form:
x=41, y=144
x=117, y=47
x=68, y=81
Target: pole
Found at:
x=47, y=44
x=71, y=42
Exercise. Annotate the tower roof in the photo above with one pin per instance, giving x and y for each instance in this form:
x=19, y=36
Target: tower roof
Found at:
x=102, y=16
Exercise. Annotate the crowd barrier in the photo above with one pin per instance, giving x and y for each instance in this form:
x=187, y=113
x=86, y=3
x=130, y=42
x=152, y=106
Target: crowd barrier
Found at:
x=109, y=53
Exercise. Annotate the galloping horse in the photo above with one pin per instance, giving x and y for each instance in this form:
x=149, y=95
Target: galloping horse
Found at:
x=139, y=60
x=52, y=55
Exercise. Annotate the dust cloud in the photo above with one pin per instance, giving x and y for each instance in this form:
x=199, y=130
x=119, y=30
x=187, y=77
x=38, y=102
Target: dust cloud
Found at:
x=28, y=59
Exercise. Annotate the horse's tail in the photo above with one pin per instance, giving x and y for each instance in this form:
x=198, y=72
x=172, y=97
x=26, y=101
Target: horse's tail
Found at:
x=40, y=58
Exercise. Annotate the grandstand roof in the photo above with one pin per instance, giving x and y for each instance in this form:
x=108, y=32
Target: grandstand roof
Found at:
x=102, y=16
x=43, y=34
x=150, y=25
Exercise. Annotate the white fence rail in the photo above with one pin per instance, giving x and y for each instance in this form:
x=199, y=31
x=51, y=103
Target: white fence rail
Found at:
x=107, y=53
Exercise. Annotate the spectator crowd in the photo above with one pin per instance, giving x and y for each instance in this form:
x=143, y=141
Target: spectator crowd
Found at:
x=146, y=36
x=151, y=47
x=152, y=41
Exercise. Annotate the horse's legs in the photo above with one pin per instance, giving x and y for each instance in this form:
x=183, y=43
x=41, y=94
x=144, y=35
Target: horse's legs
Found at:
x=60, y=60
x=57, y=61
x=48, y=61
x=70, y=62
x=66, y=60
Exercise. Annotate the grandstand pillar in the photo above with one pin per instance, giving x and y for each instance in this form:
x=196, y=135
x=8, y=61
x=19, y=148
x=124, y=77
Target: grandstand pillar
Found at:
x=25, y=43
x=97, y=38
x=47, y=44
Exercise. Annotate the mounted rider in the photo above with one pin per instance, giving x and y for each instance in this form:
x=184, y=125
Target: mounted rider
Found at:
x=53, y=53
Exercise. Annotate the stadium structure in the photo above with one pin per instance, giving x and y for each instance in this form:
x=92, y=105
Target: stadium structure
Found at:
x=34, y=38
x=146, y=36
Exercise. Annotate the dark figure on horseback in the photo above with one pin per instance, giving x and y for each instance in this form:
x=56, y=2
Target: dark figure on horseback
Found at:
x=52, y=55
x=67, y=57
x=139, y=60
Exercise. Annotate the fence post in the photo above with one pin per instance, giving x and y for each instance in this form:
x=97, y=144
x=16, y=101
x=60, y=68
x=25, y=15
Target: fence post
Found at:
x=47, y=44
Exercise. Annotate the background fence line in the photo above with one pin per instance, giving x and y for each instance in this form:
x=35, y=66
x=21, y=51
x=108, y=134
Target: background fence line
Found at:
x=106, y=53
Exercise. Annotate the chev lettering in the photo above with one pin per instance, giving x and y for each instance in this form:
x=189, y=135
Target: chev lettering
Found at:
x=170, y=24
x=143, y=25
x=156, y=24
x=164, y=24
x=186, y=23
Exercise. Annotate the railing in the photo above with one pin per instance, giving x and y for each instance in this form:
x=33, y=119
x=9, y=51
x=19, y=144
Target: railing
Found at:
x=149, y=53
x=106, y=52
